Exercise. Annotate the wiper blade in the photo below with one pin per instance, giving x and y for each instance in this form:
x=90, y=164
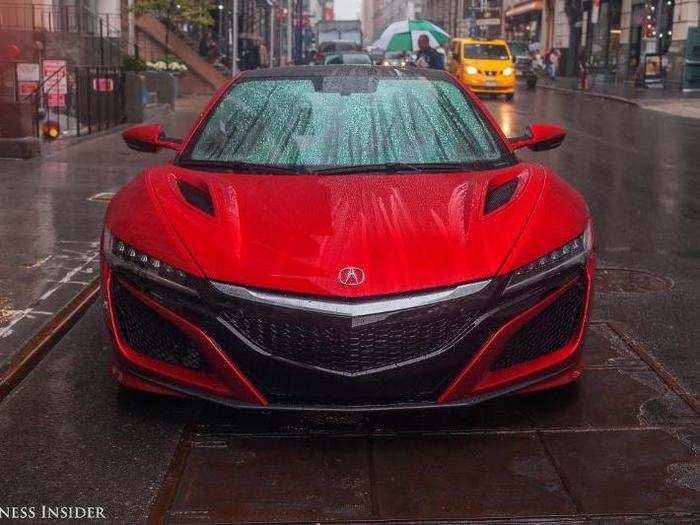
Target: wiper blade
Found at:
x=237, y=165
x=393, y=167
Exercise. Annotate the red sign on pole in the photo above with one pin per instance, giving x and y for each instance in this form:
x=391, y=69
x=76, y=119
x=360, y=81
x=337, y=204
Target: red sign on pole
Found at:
x=103, y=84
x=27, y=88
x=56, y=100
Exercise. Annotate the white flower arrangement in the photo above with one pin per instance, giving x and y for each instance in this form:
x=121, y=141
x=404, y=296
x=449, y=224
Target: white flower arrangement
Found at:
x=162, y=65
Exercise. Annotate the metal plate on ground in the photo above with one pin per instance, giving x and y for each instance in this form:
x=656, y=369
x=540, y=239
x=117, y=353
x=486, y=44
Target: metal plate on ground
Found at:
x=546, y=455
x=623, y=280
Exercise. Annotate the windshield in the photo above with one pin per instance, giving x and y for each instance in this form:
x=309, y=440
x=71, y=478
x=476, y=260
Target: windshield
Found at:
x=486, y=51
x=519, y=48
x=341, y=121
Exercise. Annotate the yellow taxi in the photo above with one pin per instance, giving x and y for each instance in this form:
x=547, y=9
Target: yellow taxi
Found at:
x=486, y=66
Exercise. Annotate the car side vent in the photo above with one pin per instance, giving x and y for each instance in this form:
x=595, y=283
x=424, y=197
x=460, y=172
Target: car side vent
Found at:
x=500, y=195
x=196, y=196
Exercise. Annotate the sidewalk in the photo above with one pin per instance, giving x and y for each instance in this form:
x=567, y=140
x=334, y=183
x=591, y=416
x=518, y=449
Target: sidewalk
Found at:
x=670, y=101
x=51, y=211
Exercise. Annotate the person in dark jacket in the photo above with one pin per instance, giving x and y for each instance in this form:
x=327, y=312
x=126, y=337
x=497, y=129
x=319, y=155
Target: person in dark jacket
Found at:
x=427, y=56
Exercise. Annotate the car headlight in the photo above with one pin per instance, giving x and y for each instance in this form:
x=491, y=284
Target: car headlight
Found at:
x=471, y=70
x=508, y=71
x=570, y=254
x=122, y=255
x=386, y=63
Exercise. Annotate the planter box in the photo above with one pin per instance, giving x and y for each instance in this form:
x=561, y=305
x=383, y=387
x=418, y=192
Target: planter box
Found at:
x=163, y=84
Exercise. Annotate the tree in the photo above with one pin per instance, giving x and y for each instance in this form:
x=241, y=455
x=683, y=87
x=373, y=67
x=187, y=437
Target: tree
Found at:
x=173, y=12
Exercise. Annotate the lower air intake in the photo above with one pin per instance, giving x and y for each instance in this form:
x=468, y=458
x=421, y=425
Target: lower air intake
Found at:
x=152, y=335
x=553, y=328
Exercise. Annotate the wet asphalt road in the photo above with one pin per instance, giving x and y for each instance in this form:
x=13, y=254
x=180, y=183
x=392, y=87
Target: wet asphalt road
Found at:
x=622, y=443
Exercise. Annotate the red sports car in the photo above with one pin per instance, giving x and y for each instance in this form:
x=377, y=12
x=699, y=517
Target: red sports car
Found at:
x=346, y=238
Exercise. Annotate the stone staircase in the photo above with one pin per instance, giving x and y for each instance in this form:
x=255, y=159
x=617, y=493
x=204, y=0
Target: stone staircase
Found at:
x=201, y=77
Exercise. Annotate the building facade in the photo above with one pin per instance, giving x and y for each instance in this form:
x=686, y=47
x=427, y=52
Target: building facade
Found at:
x=617, y=37
x=462, y=18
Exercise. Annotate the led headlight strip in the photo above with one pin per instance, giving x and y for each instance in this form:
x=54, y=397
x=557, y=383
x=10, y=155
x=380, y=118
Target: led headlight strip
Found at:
x=570, y=254
x=122, y=255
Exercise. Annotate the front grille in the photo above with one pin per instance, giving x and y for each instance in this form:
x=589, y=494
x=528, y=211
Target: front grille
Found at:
x=349, y=345
x=150, y=334
x=550, y=330
x=490, y=73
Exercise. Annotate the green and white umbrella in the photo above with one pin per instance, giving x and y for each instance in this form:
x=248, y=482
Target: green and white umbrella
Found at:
x=403, y=35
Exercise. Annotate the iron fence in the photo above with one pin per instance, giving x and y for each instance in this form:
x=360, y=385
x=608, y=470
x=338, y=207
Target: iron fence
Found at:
x=79, y=100
x=93, y=100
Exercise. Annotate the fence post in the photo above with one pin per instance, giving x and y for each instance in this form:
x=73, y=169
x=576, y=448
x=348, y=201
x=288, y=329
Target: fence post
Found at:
x=102, y=46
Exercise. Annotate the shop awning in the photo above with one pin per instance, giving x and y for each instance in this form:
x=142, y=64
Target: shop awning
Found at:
x=524, y=7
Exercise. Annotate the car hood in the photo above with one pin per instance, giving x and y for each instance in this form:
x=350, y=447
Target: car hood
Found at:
x=294, y=233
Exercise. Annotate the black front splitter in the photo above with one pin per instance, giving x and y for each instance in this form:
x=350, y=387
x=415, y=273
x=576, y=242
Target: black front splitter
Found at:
x=466, y=402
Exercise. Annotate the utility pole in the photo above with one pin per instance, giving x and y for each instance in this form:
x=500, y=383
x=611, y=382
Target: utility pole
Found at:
x=289, y=31
x=271, y=53
x=234, y=37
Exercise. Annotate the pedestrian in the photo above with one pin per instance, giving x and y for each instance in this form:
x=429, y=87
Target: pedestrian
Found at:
x=548, y=64
x=264, y=55
x=427, y=56
x=582, y=67
x=205, y=43
x=554, y=59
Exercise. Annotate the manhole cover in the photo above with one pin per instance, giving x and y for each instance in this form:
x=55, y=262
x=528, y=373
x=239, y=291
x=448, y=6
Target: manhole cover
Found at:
x=621, y=280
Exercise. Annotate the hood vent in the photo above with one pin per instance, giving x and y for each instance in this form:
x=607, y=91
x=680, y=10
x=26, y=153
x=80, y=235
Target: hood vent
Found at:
x=198, y=197
x=500, y=195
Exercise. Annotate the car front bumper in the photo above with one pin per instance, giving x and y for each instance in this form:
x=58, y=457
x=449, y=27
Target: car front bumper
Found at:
x=471, y=369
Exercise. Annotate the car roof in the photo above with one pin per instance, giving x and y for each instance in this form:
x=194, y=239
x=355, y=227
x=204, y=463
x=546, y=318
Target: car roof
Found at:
x=345, y=70
x=481, y=41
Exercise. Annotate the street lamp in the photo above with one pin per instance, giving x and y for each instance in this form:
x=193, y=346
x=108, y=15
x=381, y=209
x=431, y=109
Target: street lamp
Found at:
x=234, y=38
x=221, y=26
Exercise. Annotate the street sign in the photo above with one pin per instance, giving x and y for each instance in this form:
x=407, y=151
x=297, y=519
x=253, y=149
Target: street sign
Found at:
x=55, y=77
x=28, y=72
x=56, y=100
x=103, y=84
x=26, y=88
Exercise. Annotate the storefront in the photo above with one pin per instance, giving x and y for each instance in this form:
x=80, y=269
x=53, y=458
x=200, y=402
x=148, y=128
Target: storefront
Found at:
x=523, y=21
x=603, y=46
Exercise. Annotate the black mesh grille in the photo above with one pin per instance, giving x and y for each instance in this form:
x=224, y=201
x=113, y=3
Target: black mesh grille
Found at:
x=500, y=195
x=150, y=334
x=344, y=345
x=547, y=332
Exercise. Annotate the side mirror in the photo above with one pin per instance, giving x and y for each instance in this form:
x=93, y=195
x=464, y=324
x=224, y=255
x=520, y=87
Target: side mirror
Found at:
x=539, y=137
x=149, y=139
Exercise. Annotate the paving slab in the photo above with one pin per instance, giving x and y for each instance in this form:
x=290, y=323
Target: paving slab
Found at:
x=628, y=471
x=263, y=479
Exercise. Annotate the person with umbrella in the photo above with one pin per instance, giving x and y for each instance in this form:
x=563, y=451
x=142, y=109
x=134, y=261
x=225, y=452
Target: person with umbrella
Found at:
x=407, y=36
x=427, y=56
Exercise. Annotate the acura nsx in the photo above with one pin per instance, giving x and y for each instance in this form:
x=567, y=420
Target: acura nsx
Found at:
x=346, y=238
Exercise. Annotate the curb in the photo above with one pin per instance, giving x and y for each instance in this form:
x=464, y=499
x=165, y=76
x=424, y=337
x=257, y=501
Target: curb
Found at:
x=614, y=98
x=34, y=350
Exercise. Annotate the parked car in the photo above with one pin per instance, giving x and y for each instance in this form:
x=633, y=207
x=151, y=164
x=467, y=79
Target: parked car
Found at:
x=349, y=57
x=522, y=57
x=396, y=59
x=346, y=238
x=334, y=47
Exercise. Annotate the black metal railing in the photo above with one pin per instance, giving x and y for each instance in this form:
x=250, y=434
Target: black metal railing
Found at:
x=107, y=44
x=80, y=100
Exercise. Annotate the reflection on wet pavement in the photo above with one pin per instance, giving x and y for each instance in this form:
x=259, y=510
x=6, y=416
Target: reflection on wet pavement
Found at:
x=49, y=226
